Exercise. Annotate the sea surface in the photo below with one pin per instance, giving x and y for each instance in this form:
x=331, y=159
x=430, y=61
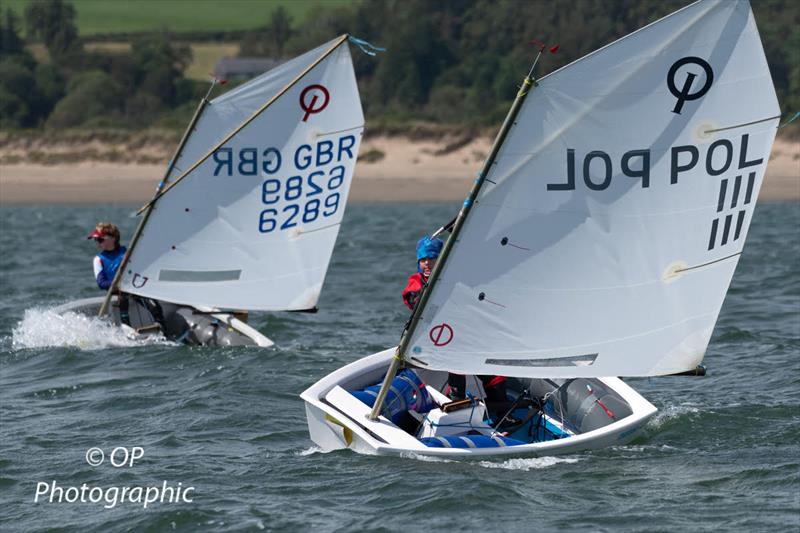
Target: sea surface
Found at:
x=722, y=454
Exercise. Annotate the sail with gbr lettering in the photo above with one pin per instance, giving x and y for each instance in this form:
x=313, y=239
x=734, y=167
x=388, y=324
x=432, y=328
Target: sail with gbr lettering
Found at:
x=254, y=202
x=605, y=235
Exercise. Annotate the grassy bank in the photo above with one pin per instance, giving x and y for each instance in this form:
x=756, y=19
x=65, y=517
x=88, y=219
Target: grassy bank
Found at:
x=105, y=17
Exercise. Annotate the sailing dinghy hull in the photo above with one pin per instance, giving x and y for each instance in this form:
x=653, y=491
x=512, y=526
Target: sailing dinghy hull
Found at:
x=337, y=419
x=180, y=323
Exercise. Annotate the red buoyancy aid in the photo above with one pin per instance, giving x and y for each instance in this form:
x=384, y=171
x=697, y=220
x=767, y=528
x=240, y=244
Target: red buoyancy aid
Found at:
x=411, y=293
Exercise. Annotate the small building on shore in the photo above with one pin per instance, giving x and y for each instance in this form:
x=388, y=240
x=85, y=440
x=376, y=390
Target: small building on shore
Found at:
x=243, y=68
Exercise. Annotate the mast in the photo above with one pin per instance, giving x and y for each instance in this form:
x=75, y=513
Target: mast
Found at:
x=186, y=134
x=408, y=332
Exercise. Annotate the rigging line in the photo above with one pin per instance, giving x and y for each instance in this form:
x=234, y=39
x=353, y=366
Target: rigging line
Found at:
x=478, y=388
x=742, y=125
x=709, y=263
x=790, y=120
x=303, y=232
x=340, y=131
x=563, y=419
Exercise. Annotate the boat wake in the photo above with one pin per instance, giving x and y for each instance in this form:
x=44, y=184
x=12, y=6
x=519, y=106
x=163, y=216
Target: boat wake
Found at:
x=42, y=328
x=534, y=463
x=524, y=464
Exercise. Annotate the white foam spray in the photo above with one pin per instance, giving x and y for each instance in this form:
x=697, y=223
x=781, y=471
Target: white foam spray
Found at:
x=533, y=463
x=310, y=451
x=672, y=412
x=42, y=328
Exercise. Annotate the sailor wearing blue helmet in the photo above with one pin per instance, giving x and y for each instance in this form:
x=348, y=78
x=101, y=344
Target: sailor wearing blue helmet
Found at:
x=428, y=251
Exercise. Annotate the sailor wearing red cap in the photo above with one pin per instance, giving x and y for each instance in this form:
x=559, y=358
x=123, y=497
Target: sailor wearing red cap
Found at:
x=107, y=261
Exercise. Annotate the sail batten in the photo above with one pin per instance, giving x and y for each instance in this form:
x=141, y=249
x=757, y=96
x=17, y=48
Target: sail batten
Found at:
x=607, y=232
x=261, y=192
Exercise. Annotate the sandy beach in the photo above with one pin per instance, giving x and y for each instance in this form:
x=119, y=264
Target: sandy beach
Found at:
x=391, y=169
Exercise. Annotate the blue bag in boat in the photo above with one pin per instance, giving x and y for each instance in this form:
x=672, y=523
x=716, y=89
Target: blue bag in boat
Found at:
x=407, y=392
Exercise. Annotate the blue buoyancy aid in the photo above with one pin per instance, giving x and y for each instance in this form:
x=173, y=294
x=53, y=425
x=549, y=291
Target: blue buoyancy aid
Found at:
x=110, y=262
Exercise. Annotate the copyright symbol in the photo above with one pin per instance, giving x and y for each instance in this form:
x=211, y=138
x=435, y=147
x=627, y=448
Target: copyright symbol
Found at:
x=95, y=456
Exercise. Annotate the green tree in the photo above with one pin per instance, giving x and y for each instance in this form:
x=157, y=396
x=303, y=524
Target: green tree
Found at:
x=279, y=29
x=10, y=41
x=470, y=56
x=779, y=26
x=93, y=99
x=321, y=25
x=159, y=67
x=51, y=85
x=27, y=91
x=21, y=102
x=53, y=21
x=271, y=40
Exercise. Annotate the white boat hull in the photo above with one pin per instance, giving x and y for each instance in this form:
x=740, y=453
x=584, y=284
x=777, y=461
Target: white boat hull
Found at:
x=337, y=420
x=228, y=330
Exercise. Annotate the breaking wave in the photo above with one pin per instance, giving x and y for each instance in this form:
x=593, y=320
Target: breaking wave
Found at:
x=670, y=413
x=309, y=451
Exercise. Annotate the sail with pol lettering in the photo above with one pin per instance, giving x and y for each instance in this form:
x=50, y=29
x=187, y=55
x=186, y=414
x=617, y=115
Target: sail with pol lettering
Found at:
x=645, y=182
x=249, y=210
x=599, y=241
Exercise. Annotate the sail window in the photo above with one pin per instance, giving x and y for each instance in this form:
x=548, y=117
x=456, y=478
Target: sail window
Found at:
x=572, y=360
x=199, y=275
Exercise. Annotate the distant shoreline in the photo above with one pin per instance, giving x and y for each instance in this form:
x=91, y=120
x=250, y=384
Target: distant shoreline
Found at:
x=392, y=169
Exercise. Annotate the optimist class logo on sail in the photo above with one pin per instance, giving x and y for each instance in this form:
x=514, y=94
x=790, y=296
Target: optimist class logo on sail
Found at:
x=441, y=334
x=311, y=106
x=685, y=93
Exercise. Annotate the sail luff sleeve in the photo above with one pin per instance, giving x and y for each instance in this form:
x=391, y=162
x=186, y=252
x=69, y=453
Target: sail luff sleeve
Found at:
x=143, y=222
x=527, y=84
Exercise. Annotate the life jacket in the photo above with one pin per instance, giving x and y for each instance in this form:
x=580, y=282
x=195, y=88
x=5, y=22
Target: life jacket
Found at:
x=111, y=261
x=413, y=289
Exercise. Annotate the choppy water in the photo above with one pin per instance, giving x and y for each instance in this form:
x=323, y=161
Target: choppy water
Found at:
x=723, y=454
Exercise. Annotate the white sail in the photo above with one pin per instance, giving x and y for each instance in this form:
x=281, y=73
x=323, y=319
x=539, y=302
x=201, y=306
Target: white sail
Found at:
x=253, y=225
x=607, y=232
